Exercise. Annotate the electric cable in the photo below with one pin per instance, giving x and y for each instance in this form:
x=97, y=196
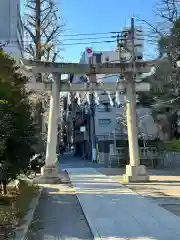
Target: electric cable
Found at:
x=62, y=44
x=90, y=34
x=62, y=40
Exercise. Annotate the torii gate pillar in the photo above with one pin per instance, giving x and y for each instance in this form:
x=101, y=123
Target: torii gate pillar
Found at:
x=50, y=172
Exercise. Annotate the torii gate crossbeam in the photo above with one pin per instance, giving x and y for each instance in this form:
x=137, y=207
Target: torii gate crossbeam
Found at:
x=50, y=172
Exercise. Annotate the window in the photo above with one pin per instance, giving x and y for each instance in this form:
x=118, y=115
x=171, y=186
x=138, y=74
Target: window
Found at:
x=101, y=109
x=98, y=57
x=104, y=122
x=104, y=107
x=83, y=79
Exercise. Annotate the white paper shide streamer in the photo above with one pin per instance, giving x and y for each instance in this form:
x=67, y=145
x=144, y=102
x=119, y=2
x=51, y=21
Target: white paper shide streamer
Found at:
x=78, y=98
x=68, y=99
x=87, y=98
x=110, y=99
x=96, y=96
x=117, y=98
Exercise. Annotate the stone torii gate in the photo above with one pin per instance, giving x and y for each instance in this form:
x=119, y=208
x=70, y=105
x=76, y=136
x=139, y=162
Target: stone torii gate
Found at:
x=50, y=172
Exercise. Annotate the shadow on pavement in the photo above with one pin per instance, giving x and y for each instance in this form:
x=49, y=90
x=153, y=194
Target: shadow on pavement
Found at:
x=59, y=216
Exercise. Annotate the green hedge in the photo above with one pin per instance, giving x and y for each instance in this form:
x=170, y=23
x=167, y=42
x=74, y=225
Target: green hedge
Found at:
x=173, y=145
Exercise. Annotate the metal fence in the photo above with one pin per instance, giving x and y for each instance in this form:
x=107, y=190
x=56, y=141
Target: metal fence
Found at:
x=171, y=160
x=149, y=156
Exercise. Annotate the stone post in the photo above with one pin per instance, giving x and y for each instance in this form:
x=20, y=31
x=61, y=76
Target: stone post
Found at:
x=50, y=173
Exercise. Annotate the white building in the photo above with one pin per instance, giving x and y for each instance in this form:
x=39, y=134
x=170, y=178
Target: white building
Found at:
x=107, y=117
x=11, y=27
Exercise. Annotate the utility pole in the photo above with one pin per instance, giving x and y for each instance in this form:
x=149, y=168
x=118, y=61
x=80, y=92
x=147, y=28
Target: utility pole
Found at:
x=92, y=79
x=131, y=105
x=93, y=130
x=134, y=171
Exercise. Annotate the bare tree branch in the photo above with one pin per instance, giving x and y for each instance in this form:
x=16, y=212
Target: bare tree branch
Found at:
x=31, y=7
x=166, y=80
x=33, y=38
x=46, y=15
x=168, y=11
x=51, y=28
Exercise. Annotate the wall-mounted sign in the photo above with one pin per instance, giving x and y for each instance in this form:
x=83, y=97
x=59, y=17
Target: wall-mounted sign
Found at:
x=89, y=52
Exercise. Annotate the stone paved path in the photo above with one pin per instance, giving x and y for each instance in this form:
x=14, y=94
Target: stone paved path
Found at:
x=164, y=186
x=59, y=216
x=116, y=212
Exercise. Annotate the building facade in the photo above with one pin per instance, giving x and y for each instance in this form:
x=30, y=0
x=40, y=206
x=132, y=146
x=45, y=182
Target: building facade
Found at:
x=109, y=118
x=106, y=113
x=11, y=27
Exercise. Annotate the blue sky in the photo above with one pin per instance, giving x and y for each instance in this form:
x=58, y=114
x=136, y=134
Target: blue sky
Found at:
x=99, y=16
x=91, y=16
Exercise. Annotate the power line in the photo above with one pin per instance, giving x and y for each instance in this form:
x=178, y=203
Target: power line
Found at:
x=89, y=34
x=82, y=39
x=86, y=43
x=61, y=40
x=62, y=44
x=95, y=33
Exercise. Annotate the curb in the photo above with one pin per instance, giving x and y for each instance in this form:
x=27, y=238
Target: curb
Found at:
x=21, y=231
x=93, y=229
